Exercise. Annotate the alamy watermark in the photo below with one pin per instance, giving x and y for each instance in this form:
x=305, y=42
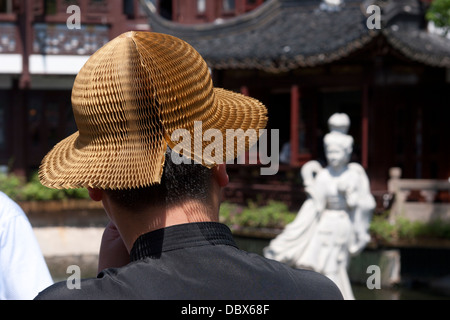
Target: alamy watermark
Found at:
x=73, y=282
x=235, y=139
x=74, y=20
x=374, y=20
x=374, y=280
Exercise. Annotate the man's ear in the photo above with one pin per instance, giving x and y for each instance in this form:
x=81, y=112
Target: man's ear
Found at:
x=95, y=194
x=221, y=175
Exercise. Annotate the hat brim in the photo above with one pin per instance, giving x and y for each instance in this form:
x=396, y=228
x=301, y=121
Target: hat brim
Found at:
x=73, y=163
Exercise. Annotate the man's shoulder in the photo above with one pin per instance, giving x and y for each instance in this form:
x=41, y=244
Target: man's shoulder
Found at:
x=57, y=291
x=9, y=208
x=66, y=290
x=11, y=212
x=108, y=285
x=318, y=285
x=307, y=284
x=274, y=280
x=85, y=289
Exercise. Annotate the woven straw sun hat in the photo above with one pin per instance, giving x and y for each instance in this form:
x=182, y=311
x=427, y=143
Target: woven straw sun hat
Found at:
x=128, y=99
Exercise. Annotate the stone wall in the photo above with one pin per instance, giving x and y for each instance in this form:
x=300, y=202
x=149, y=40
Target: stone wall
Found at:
x=69, y=233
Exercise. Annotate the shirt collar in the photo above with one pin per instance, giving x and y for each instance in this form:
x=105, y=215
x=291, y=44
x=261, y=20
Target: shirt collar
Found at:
x=181, y=236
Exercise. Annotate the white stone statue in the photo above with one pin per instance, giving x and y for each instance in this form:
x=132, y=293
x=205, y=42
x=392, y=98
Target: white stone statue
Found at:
x=333, y=222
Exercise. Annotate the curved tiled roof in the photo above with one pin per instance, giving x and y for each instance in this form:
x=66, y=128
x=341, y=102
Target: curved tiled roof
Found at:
x=282, y=35
x=420, y=45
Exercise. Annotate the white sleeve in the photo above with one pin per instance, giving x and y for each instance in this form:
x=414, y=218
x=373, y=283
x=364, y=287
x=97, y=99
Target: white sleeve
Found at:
x=23, y=270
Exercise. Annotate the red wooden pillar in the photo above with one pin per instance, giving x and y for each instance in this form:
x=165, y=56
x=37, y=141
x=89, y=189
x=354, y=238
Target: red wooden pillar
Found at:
x=244, y=90
x=365, y=128
x=177, y=7
x=22, y=91
x=26, y=36
x=295, y=116
x=119, y=24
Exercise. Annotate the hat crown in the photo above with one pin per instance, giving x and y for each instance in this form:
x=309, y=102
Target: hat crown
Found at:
x=137, y=82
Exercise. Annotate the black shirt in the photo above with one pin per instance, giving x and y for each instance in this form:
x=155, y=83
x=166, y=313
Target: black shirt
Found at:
x=197, y=261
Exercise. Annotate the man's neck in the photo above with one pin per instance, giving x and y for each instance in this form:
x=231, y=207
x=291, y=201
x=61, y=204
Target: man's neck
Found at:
x=131, y=225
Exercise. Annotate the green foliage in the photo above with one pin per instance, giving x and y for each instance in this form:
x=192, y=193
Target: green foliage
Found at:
x=228, y=213
x=10, y=185
x=439, y=13
x=273, y=215
x=82, y=193
x=277, y=215
x=404, y=229
x=438, y=228
x=34, y=190
x=20, y=190
x=381, y=227
x=407, y=229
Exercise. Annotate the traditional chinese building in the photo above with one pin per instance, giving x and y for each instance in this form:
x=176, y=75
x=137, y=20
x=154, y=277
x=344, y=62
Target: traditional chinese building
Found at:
x=306, y=59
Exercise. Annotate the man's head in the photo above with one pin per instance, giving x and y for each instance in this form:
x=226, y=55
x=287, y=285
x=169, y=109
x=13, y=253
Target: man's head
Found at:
x=128, y=100
x=179, y=183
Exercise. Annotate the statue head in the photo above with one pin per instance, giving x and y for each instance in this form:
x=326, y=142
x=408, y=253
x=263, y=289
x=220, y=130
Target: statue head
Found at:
x=338, y=148
x=339, y=122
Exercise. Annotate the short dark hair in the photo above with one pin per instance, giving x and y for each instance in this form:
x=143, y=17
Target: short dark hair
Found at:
x=179, y=182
